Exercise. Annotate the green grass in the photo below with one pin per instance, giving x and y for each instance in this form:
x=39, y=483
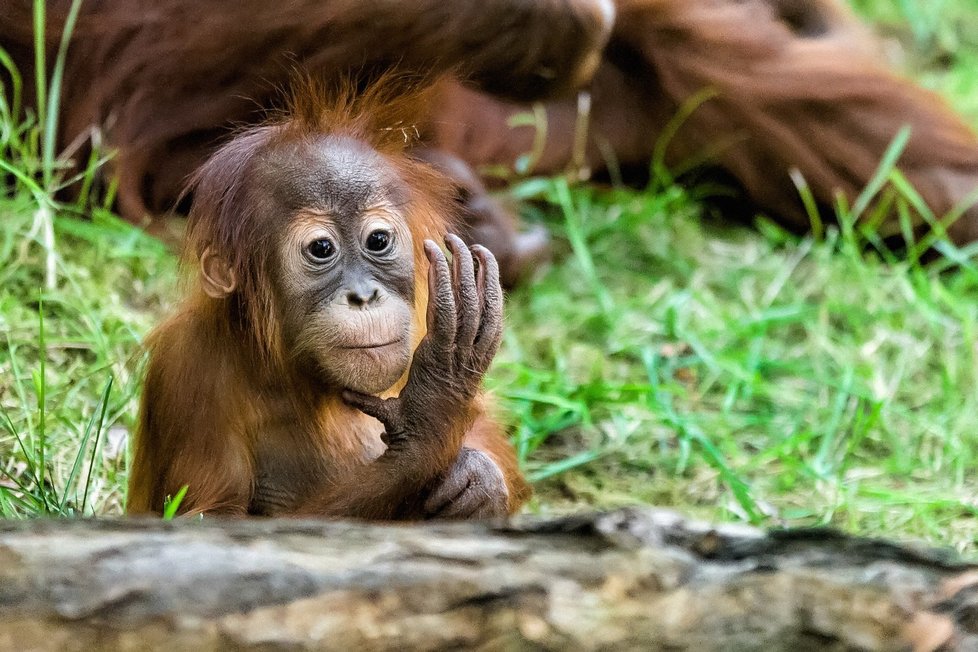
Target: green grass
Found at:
x=56, y=382
x=664, y=358
x=736, y=376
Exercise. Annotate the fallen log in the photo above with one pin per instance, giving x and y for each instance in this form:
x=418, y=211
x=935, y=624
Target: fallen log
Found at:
x=635, y=579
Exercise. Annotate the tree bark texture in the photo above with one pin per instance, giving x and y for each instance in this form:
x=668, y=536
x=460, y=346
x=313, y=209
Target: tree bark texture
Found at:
x=634, y=579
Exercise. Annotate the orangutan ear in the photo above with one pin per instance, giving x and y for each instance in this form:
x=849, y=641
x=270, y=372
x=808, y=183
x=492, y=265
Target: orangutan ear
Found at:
x=216, y=275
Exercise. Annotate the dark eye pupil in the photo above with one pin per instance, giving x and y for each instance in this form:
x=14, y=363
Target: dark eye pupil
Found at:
x=378, y=241
x=320, y=249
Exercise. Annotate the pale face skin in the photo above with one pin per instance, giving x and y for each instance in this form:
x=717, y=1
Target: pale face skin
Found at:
x=345, y=274
x=346, y=263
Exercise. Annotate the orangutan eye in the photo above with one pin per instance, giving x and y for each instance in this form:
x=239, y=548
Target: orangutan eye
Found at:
x=379, y=241
x=321, y=250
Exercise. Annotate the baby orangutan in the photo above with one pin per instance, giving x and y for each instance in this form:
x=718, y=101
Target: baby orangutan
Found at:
x=329, y=358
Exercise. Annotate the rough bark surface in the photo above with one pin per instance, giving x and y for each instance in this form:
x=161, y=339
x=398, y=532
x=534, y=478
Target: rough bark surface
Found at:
x=647, y=580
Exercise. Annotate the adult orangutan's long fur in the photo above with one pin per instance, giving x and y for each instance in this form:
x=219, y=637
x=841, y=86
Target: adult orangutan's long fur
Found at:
x=788, y=84
x=797, y=84
x=769, y=85
x=165, y=79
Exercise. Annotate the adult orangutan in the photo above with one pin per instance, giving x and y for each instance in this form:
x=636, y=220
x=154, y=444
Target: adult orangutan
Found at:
x=771, y=86
x=320, y=286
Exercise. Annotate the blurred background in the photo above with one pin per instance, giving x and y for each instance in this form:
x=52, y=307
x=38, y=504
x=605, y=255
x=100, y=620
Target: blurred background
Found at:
x=665, y=357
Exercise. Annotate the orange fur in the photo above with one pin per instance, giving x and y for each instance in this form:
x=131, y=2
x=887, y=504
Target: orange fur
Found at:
x=792, y=84
x=220, y=392
x=769, y=86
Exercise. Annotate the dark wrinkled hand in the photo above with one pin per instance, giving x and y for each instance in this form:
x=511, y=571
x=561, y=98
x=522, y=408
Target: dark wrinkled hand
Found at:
x=474, y=487
x=465, y=317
